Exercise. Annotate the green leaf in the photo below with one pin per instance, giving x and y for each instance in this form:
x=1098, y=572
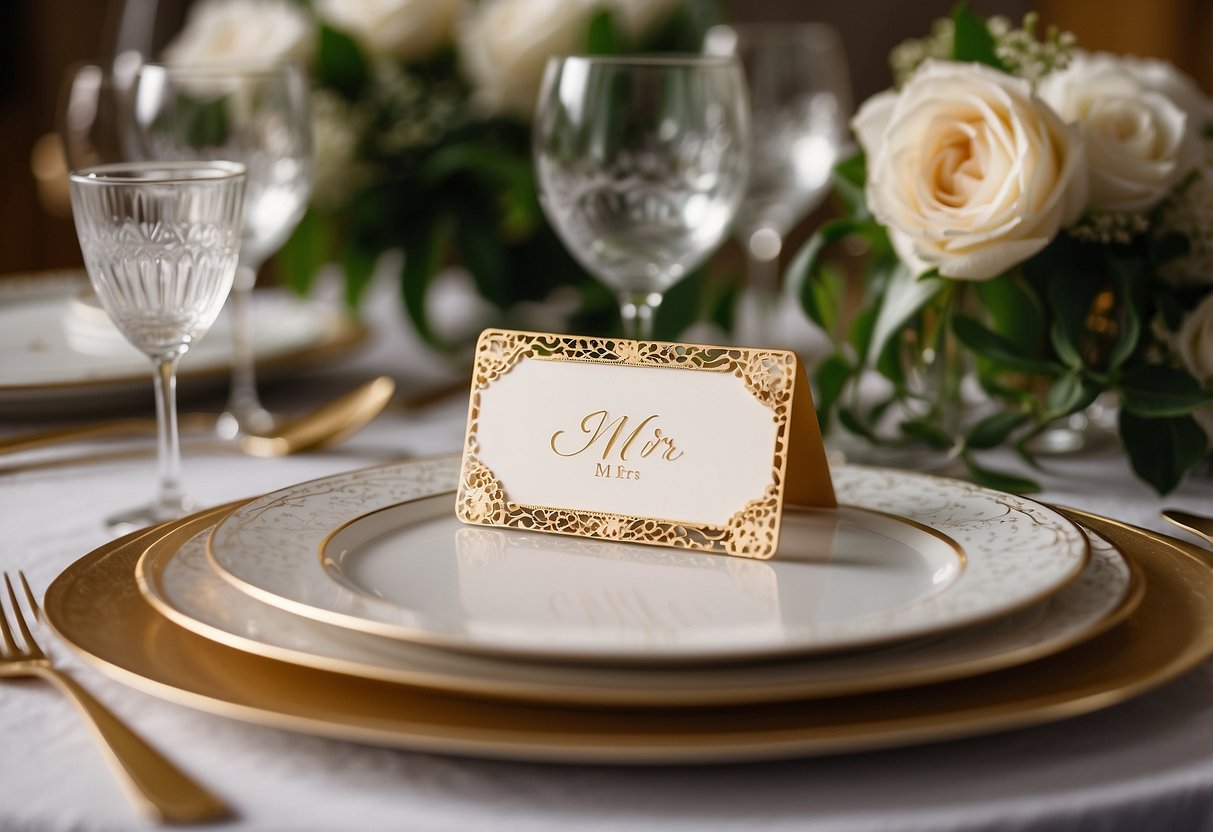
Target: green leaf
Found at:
x=849, y=420
x=904, y=296
x=358, y=262
x=927, y=433
x=1065, y=395
x=340, y=63
x=972, y=40
x=994, y=429
x=859, y=334
x=994, y=347
x=1072, y=290
x=681, y=306
x=1124, y=275
x=804, y=270
x=1162, y=450
x=828, y=291
x=831, y=377
x=307, y=249
x=1063, y=345
x=849, y=178
x=425, y=244
x=1015, y=310
x=481, y=252
x=603, y=36
x=1158, y=390
x=999, y=480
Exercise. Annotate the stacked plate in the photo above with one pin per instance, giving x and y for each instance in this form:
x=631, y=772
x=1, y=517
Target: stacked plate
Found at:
x=64, y=351
x=358, y=606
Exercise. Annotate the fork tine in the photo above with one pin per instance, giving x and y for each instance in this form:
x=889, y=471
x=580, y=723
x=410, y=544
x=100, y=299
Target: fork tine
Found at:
x=31, y=646
x=5, y=630
x=29, y=595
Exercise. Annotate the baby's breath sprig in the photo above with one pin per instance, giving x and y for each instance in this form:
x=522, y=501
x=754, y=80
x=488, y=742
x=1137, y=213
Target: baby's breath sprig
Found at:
x=1026, y=55
x=1109, y=227
x=907, y=56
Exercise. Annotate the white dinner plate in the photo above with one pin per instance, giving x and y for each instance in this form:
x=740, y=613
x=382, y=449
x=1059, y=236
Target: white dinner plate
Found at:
x=60, y=348
x=963, y=554
x=179, y=582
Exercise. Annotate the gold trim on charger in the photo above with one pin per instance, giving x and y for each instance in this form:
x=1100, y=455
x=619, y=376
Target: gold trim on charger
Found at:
x=157, y=556
x=96, y=608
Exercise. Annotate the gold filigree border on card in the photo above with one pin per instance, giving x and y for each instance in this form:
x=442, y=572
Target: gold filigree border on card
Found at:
x=753, y=531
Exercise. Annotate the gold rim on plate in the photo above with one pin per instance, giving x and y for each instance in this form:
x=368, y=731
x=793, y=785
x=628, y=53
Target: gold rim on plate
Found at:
x=214, y=609
x=96, y=607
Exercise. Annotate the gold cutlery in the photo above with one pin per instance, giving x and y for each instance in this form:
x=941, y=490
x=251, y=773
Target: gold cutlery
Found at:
x=326, y=425
x=158, y=787
x=1196, y=524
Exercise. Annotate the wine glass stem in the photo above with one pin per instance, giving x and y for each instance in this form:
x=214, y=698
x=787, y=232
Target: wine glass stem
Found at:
x=639, y=311
x=762, y=276
x=168, y=445
x=243, y=402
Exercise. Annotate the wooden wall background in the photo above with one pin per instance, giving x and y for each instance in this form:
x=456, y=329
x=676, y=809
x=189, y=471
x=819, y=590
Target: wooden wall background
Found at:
x=39, y=39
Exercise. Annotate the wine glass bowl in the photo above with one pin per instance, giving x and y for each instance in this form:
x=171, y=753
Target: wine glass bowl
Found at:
x=800, y=100
x=642, y=165
x=257, y=115
x=161, y=244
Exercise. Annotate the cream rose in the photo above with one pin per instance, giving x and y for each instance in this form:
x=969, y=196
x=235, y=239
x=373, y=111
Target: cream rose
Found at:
x=1160, y=76
x=1194, y=342
x=405, y=29
x=1140, y=143
x=231, y=31
x=505, y=44
x=639, y=17
x=969, y=172
x=1194, y=345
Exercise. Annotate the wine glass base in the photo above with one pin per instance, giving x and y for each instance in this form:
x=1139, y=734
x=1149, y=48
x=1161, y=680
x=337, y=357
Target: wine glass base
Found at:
x=255, y=422
x=140, y=517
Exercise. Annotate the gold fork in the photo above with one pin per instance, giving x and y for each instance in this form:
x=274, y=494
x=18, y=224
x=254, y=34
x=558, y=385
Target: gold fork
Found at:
x=158, y=787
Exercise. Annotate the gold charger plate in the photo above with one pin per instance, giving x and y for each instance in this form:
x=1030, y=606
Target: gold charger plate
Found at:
x=96, y=607
x=175, y=577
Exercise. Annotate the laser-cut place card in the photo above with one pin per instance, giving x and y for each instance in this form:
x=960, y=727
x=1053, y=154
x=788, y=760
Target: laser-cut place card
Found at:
x=682, y=445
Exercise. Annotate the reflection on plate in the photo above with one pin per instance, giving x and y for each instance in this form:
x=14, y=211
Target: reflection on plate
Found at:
x=176, y=577
x=96, y=607
x=415, y=573
x=60, y=348
x=511, y=592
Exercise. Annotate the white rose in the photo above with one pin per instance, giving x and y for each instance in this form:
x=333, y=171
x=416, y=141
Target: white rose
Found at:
x=405, y=29
x=1140, y=144
x=969, y=172
x=1160, y=76
x=1194, y=342
x=639, y=17
x=505, y=44
x=239, y=31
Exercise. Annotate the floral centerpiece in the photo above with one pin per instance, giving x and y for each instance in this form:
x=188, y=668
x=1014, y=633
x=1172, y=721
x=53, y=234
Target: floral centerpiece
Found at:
x=422, y=131
x=1037, y=220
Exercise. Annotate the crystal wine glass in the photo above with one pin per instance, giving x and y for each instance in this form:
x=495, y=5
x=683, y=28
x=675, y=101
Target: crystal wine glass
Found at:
x=161, y=242
x=260, y=116
x=642, y=165
x=800, y=100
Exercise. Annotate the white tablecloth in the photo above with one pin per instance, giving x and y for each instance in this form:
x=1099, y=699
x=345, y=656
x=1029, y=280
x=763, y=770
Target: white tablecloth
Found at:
x=1146, y=764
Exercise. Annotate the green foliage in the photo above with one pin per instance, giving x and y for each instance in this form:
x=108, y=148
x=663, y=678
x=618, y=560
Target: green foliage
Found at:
x=972, y=40
x=1077, y=320
x=450, y=185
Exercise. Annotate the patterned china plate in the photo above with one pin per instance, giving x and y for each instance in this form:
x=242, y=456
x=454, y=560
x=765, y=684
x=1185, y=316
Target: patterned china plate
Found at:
x=95, y=606
x=62, y=350
x=909, y=556
x=179, y=582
